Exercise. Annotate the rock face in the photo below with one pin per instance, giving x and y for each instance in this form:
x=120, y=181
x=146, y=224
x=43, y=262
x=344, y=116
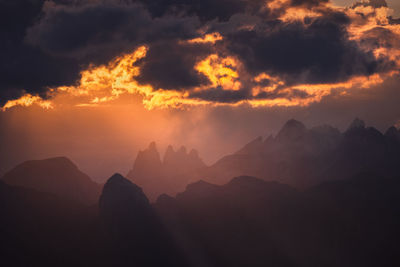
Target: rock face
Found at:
x=136, y=234
x=148, y=162
x=59, y=176
x=170, y=175
x=123, y=205
x=292, y=130
x=304, y=157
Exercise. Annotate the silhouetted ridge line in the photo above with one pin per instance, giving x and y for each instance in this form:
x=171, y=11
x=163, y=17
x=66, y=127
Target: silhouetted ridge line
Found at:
x=58, y=175
x=135, y=231
x=305, y=157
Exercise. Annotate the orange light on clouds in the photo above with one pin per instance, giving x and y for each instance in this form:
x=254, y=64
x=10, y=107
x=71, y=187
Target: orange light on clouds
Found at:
x=107, y=83
x=26, y=101
x=208, y=38
x=220, y=71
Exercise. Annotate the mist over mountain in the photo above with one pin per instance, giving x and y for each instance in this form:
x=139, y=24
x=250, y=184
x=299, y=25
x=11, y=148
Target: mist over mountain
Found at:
x=296, y=155
x=321, y=197
x=170, y=175
x=59, y=176
x=304, y=157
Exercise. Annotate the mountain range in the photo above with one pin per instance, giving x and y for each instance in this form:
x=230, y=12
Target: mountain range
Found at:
x=321, y=198
x=59, y=176
x=169, y=175
x=296, y=156
x=245, y=222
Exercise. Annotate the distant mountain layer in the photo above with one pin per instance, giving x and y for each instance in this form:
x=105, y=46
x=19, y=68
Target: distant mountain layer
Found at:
x=297, y=156
x=58, y=176
x=170, y=175
x=304, y=157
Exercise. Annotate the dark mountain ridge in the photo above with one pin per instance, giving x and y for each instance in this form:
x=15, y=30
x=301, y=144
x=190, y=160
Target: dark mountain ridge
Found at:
x=304, y=157
x=59, y=176
x=251, y=222
x=296, y=155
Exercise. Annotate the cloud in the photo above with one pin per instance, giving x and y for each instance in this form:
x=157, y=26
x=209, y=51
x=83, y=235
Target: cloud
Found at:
x=225, y=52
x=97, y=32
x=170, y=65
x=206, y=10
x=317, y=52
x=23, y=68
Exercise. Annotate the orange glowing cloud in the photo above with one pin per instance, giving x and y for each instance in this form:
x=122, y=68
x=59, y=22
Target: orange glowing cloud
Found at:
x=107, y=83
x=26, y=101
x=208, y=38
x=220, y=71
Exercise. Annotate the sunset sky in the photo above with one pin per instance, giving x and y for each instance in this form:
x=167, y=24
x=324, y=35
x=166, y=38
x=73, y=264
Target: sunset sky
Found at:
x=99, y=80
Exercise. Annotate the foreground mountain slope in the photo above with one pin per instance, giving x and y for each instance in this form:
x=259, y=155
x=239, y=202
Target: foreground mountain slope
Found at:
x=59, y=176
x=42, y=229
x=251, y=222
x=136, y=235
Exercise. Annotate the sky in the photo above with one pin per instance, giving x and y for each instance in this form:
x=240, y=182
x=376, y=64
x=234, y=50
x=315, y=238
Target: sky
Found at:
x=98, y=80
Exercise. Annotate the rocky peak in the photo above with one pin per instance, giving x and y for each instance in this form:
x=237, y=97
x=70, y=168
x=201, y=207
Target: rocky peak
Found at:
x=152, y=146
x=194, y=154
x=148, y=159
x=254, y=147
x=119, y=191
x=169, y=154
x=198, y=189
x=356, y=124
x=182, y=150
x=393, y=133
x=59, y=176
x=181, y=158
x=291, y=131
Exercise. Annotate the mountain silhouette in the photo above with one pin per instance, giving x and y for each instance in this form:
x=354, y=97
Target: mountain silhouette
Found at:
x=324, y=198
x=297, y=155
x=136, y=234
x=43, y=229
x=59, y=176
x=305, y=157
x=252, y=222
x=171, y=175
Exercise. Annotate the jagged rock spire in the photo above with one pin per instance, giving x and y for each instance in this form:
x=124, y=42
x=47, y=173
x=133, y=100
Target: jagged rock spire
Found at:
x=356, y=124
x=292, y=130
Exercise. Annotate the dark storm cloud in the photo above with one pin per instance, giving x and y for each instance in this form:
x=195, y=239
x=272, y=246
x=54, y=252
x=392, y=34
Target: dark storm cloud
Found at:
x=47, y=45
x=307, y=3
x=220, y=95
x=206, y=10
x=223, y=96
x=380, y=37
x=22, y=66
x=373, y=3
x=292, y=94
x=318, y=52
x=97, y=32
x=170, y=65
